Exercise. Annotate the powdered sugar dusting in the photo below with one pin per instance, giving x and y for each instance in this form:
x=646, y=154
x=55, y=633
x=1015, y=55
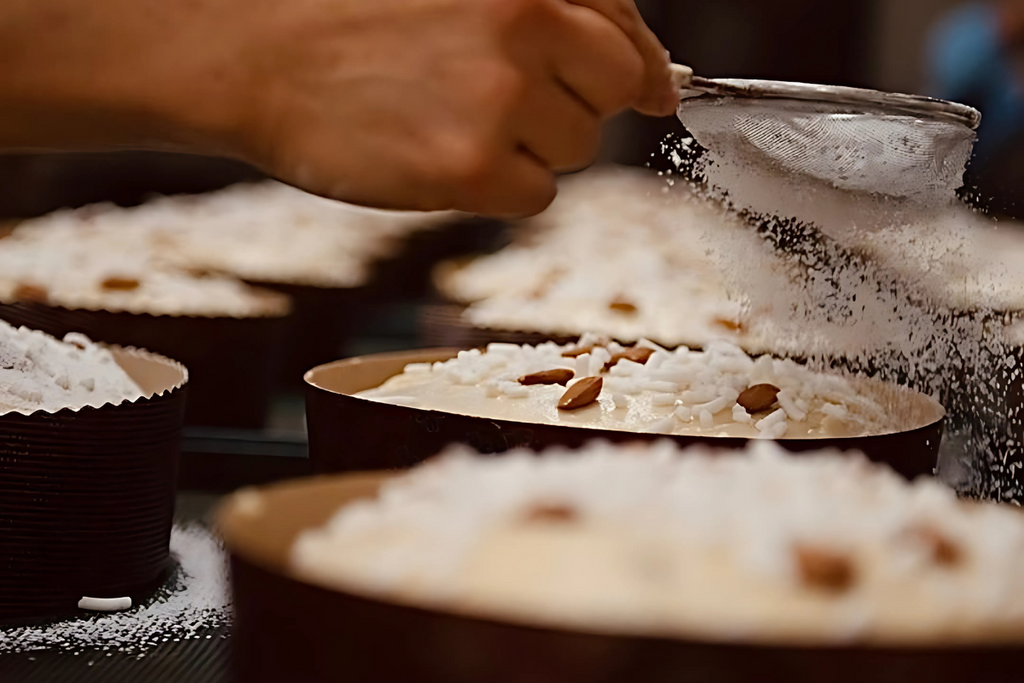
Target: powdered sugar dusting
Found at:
x=656, y=539
x=196, y=600
x=187, y=255
x=671, y=392
x=38, y=372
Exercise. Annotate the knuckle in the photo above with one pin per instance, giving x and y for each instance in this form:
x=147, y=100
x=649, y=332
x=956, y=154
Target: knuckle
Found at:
x=540, y=198
x=590, y=145
x=580, y=146
x=506, y=13
x=629, y=84
x=502, y=86
x=495, y=88
x=623, y=13
x=590, y=131
x=465, y=162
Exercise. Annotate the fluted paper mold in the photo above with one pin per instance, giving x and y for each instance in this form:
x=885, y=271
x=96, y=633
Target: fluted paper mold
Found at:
x=349, y=433
x=87, y=496
x=289, y=630
x=232, y=362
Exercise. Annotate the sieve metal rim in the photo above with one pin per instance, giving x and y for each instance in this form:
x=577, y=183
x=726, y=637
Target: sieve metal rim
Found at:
x=919, y=105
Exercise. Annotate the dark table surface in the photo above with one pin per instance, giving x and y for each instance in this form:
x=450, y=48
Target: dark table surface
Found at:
x=200, y=660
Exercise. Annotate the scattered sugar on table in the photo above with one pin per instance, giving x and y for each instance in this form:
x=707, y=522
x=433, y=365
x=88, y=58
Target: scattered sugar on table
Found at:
x=196, y=599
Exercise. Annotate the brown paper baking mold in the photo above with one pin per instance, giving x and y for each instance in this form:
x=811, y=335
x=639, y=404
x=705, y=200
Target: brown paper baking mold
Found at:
x=349, y=433
x=232, y=362
x=87, y=496
x=286, y=629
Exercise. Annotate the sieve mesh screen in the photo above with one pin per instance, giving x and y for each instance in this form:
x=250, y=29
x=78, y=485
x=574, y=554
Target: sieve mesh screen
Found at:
x=852, y=149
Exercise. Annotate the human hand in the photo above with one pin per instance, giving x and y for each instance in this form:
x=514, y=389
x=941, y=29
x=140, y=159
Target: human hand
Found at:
x=436, y=104
x=418, y=104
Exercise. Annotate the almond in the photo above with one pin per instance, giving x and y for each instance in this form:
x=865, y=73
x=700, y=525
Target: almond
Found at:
x=944, y=551
x=120, y=284
x=637, y=354
x=581, y=394
x=555, y=376
x=30, y=292
x=545, y=285
x=824, y=569
x=578, y=351
x=622, y=306
x=731, y=325
x=199, y=273
x=758, y=397
x=552, y=513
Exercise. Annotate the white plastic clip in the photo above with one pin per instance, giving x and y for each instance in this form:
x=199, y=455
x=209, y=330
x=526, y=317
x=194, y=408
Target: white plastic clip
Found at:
x=105, y=604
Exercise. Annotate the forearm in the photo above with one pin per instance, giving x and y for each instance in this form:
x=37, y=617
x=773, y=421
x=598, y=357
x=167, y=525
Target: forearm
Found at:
x=98, y=74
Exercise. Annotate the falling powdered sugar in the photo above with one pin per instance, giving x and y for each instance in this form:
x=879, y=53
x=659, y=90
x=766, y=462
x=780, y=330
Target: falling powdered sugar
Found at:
x=922, y=293
x=195, y=600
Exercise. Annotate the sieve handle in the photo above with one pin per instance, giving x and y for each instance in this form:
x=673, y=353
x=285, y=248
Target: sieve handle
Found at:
x=682, y=76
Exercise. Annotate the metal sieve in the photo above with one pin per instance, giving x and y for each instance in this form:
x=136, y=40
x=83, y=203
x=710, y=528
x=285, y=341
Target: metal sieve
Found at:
x=854, y=139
